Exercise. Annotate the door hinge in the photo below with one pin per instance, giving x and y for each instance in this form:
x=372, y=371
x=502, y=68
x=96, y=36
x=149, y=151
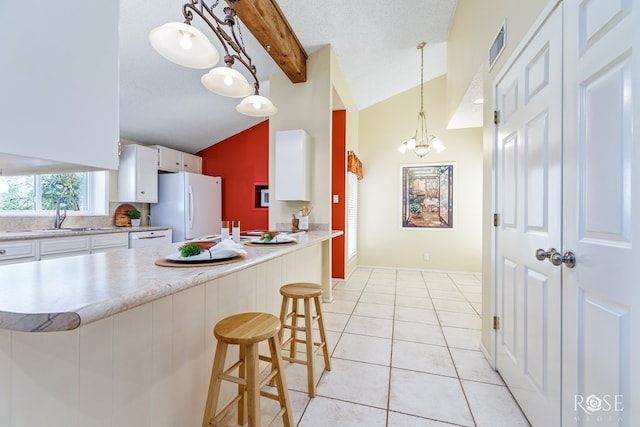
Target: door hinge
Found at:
x=496, y=322
x=496, y=117
x=496, y=219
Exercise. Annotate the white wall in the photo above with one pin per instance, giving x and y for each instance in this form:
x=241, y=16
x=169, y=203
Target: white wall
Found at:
x=382, y=241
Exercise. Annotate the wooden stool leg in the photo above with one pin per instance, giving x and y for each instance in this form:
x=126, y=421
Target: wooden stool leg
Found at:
x=281, y=382
x=323, y=335
x=294, y=323
x=283, y=316
x=253, y=389
x=308, y=328
x=214, y=383
x=242, y=389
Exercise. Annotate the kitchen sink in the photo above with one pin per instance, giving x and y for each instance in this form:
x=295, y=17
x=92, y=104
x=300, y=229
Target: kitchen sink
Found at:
x=53, y=230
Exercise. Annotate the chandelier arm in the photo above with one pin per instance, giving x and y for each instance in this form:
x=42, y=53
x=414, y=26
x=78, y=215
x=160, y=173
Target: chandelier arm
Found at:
x=251, y=68
x=199, y=7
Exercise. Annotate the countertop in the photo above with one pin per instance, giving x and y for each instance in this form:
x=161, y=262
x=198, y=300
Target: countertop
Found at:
x=66, y=232
x=62, y=294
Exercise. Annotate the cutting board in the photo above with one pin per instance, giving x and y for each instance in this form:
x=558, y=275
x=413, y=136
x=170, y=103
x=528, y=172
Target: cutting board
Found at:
x=121, y=219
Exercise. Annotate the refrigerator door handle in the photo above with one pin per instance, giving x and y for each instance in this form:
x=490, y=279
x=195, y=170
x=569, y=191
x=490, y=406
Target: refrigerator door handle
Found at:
x=190, y=208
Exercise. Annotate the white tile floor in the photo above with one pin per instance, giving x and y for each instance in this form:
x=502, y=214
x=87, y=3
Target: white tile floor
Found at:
x=404, y=352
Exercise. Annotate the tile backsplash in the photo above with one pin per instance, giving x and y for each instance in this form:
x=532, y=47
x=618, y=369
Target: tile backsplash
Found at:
x=16, y=223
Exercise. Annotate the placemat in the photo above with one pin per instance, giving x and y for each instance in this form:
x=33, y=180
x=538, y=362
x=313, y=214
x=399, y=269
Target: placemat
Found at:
x=163, y=262
x=269, y=244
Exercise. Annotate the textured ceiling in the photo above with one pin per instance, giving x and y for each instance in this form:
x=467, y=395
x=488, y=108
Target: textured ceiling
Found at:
x=374, y=41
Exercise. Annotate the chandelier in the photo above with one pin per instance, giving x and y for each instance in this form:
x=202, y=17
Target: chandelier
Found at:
x=421, y=142
x=185, y=45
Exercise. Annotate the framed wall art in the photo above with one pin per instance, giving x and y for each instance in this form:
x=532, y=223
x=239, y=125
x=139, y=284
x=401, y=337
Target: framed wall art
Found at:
x=427, y=196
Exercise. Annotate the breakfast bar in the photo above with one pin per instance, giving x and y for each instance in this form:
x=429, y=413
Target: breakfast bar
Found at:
x=114, y=339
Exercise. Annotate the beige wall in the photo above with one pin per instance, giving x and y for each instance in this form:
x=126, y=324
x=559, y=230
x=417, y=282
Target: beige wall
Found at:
x=382, y=241
x=308, y=106
x=305, y=106
x=474, y=27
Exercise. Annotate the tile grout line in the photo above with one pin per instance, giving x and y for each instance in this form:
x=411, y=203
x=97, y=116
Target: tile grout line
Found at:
x=473, y=418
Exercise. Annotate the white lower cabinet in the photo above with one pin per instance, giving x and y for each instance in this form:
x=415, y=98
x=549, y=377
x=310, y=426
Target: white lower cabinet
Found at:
x=13, y=252
x=108, y=242
x=58, y=247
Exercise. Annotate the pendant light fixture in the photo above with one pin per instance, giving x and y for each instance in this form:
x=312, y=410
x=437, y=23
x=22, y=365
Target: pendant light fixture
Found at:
x=185, y=45
x=421, y=142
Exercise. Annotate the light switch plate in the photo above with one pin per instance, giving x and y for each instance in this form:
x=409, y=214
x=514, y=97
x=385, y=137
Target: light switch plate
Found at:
x=336, y=198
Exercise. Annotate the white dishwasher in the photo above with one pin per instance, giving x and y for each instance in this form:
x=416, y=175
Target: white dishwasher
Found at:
x=141, y=239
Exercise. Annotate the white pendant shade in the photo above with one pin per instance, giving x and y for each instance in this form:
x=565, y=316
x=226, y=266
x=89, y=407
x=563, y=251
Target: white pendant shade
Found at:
x=227, y=82
x=184, y=45
x=256, y=106
x=437, y=144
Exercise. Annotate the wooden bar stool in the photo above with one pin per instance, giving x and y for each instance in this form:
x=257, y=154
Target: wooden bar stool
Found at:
x=247, y=330
x=289, y=319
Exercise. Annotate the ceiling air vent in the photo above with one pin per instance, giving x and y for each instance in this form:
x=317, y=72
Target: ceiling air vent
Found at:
x=497, y=46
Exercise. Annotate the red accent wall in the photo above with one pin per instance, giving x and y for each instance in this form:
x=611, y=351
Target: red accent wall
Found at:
x=242, y=161
x=338, y=183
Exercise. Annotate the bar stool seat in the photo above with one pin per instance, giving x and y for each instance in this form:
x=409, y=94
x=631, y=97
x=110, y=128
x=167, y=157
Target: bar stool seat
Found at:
x=307, y=292
x=247, y=330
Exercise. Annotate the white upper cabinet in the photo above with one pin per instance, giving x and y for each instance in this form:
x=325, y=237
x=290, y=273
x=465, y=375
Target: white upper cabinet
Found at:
x=59, y=105
x=170, y=160
x=293, y=164
x=138, y=174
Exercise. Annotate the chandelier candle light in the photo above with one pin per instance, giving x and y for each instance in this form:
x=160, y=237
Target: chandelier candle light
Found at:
x=185, y=45
x=421, y=142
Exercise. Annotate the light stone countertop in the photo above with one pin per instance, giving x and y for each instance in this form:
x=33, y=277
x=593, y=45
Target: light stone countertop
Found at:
x=62, y=294
x=66, y=232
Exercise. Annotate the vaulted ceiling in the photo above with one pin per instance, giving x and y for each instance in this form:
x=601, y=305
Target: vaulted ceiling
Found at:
x=374, y=41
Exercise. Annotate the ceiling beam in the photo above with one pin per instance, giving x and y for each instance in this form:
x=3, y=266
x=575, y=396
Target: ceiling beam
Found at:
x=269, y=26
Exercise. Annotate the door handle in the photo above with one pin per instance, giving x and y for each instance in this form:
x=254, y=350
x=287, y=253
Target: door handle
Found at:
x=568, y=259
x=556, y=258
x=541, y=254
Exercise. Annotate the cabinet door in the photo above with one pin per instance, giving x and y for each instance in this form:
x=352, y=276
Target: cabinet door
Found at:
x=18, y=251
x=191, y=163
x=146, y=175
x=109, y=242
x=59, y=247
x=169, y=160
x=138, y=174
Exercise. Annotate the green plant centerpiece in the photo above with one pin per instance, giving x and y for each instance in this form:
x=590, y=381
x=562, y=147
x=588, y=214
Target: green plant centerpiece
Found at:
x=134, y=213
x=189, y=250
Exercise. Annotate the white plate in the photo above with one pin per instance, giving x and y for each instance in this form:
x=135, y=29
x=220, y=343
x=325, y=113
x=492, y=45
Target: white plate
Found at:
x=204, y=256
x=279, y=239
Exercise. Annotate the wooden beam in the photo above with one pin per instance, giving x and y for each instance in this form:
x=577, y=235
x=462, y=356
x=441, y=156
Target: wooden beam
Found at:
x=269, y=26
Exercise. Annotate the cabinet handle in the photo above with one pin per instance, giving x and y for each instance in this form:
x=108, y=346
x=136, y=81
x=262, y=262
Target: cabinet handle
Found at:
x=3, y=251
x=177, y=163
x=142, y=192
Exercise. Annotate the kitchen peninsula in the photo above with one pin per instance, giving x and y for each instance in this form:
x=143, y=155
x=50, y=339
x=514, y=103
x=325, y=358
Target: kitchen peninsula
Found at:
x=113, y=339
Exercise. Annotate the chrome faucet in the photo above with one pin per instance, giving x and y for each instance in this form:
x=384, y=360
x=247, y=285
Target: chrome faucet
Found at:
x=57, y=223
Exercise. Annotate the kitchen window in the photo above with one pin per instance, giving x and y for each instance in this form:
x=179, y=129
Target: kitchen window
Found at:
x=39, y=194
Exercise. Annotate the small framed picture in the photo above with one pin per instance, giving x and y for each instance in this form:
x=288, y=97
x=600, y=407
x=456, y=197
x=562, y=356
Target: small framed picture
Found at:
x=264, y=197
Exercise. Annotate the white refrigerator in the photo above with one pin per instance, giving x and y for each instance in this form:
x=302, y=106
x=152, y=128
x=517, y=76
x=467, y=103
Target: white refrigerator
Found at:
x=189, y=203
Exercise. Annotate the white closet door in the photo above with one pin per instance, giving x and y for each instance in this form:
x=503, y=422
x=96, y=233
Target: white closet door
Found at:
x=601, y=192
x=528, y=190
